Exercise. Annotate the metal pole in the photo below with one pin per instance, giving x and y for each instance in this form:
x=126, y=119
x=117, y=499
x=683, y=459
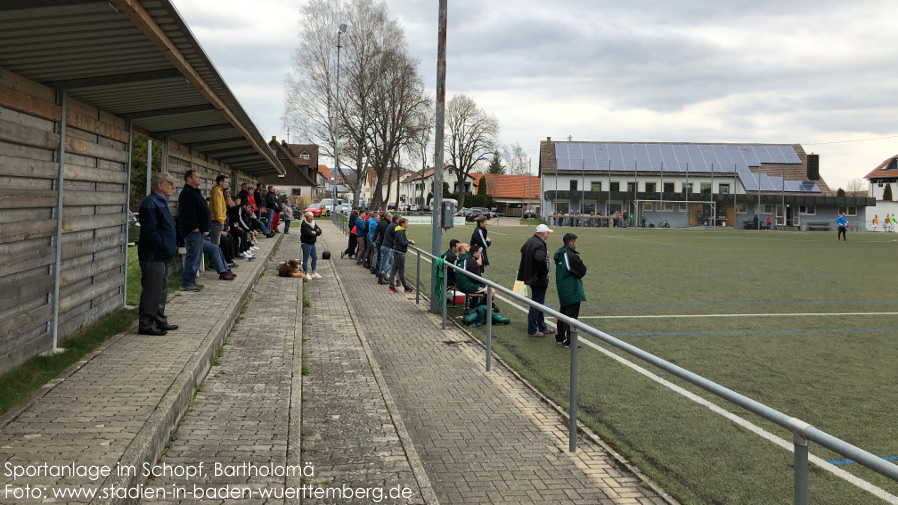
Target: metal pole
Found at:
x=801, y=469
x=436, y=238
x=60, y=178
x=713, y=205
x=758, y=210
x=489, y=328
x=445, y=292
x=337, y=123
x=572, y=429
x=149, y=165
x=127, y=208
x=418, y=281
x=608, y=203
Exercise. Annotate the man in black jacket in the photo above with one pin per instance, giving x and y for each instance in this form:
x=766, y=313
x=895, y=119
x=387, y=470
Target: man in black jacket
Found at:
x=194, y=219
x=378, y=239
x=534, y=272
x=260, y=203
x=451, y=256
x=353, y=242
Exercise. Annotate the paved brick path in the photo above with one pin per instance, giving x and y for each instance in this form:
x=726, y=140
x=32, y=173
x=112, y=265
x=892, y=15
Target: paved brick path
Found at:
x=249, y=408
x=482, y=437
x=116, y=404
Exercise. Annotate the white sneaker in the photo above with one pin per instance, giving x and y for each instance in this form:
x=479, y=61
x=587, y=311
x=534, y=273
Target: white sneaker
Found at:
x=316, y=276
x=310, y=277
x=255, y=248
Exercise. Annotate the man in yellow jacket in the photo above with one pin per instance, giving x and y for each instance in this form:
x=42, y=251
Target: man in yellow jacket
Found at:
x=217, y=208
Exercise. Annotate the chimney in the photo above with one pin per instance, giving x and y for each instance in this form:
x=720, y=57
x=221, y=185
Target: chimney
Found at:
x=548, y=139
x=274, y=138
x=813, y=167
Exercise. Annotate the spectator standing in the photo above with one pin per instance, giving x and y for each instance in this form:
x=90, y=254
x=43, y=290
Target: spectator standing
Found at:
x=194, y=219
x=875, y=221
x=155, y=250
x=361, y=232
x=218, y=208
x=288, y=216
x=260, y=202
x=534, y=272
x=271, y=207
x=244, y=192
x=400, y=247
x=386, y=250
x=479, y=240
x=353, y=243
x=308, y=235
x=569, y=272
x=769, y=221
x=379, y=230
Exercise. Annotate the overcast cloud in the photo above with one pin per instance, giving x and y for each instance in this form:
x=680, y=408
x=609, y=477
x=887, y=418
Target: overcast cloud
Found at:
x=779, y=71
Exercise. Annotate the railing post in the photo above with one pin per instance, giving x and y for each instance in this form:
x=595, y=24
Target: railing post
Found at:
x=445, y=292
x=489, y=328
x=572, y=429
x=418, y=279
x=801, y=469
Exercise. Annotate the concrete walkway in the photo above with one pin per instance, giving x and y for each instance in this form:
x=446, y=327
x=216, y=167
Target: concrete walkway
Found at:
x=482, y=437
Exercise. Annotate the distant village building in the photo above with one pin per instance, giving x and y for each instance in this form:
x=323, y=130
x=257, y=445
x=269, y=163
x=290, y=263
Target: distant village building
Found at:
x=882, y=177
x=691, y=184
x=301, y=163
x=512, y=194
x=413, y=185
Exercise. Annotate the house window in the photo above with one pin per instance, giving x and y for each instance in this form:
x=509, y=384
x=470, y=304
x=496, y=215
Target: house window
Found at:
x=766, y=209
x=562, y=207
x=615, y=186
x=589, y=208
x=631, y=187
x=305, y=155
x=669, y=187
x=687, y=187
x=650, y=187
x=849, y=211
x=667, y=207
x=295, y=191
x=573, y=185
x=595, y=186
x=648, y=206
x=723, y=189
x=741, y=208
x=705, y=188
x=807, y=210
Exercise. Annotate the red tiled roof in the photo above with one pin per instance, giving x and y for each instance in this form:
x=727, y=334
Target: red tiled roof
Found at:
x=882, y=172
x=326, y=172
x=509, y=186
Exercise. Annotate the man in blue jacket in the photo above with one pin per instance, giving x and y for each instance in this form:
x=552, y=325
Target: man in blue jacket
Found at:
x=155, y=251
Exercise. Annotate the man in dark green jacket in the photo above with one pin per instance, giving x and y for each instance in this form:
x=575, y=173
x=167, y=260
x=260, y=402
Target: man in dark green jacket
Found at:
x=470, y=263
x=569, y=272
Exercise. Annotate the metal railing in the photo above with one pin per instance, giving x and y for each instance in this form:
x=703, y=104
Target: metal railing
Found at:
x=802, y=432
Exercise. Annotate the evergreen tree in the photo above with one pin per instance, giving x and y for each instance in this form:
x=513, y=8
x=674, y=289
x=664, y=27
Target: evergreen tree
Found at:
x=495, y=166
x=481, y=188
x=840, y=192
x=887, y=193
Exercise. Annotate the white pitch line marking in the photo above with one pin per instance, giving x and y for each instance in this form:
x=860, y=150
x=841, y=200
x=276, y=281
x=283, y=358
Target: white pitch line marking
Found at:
x=659, y=316
x=785, y=444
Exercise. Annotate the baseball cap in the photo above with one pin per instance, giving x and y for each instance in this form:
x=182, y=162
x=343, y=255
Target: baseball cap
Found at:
x=163, y=177
x=543, y=228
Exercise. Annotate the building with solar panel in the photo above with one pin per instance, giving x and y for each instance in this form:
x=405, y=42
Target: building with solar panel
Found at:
x=684, y=184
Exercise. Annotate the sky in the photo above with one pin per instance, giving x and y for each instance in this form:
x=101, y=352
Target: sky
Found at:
x=819, y=73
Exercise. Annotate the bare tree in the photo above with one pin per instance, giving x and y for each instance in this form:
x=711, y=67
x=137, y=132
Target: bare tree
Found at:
x=517, y=161
x=420, y=144
x=856, y=187
x=396, y=99
x=470, y=140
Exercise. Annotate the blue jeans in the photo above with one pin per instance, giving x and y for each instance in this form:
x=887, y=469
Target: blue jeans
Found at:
x=535, y=320
x=309, y=250
x=286, y=225
x=269, y=217
x=216, y=257
x=386, y=260
x=193, y=242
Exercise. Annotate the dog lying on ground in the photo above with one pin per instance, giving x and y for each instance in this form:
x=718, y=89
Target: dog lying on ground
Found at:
x=291, y=269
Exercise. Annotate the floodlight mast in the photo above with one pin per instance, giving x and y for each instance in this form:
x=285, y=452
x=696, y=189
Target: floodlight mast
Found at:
x=436, y=245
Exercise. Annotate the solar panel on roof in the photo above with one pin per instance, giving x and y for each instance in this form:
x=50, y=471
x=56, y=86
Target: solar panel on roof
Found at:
x=809, y=187
x=767, y=184
x=793, y=186
x=748, y=179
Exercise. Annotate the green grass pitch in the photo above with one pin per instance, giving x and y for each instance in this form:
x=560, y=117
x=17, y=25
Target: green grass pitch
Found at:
x=796, y=320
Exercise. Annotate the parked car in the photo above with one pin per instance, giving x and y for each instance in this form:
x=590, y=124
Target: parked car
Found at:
x=530, y=215
x=427, y=209
x=329, y=202
x=133, y=228
x=462, y=212
x=413, y=208
x=476, y=212
x=345, y=209
x=317, y=210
